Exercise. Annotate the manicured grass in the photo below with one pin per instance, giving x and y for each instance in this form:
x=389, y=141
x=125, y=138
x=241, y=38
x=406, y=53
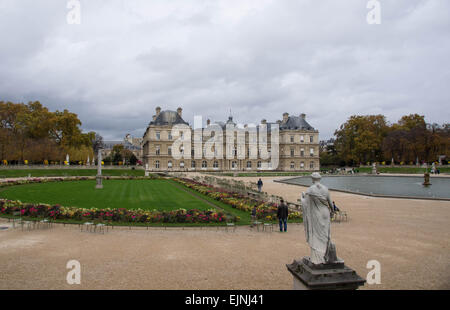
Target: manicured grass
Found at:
x=130, y=194
x=409, y=170
x=17, y=173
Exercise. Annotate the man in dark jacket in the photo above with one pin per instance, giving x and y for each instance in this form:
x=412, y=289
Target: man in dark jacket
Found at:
x=282, y=215
x=260, y=184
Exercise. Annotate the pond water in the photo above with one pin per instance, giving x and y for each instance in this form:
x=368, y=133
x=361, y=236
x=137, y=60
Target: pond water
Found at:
x=407, y=186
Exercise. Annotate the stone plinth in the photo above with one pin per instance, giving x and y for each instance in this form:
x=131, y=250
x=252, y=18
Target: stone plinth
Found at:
x=426, y=179
x=99, y=179
x=335, y=276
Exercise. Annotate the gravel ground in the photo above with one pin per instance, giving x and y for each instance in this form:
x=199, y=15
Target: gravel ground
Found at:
x=410, y=238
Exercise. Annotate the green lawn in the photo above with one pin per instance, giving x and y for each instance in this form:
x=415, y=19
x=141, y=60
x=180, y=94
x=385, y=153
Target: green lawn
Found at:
x=130, y=194
x=409, y=170
x=16, y=173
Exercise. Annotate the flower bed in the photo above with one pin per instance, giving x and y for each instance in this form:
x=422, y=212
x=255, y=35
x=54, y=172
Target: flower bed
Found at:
x=122, y=215
x=264, y=210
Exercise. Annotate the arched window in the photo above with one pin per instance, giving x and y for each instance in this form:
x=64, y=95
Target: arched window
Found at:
x=249, y=164
x=157, y=164
x=292, y=165
x=169, y=164
x=181, y=164
x=216, y=164
x=193, y=164
x=259, y=164
x=204, y=164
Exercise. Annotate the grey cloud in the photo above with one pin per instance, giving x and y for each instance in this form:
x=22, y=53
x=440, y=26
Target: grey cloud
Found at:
x=259, y=58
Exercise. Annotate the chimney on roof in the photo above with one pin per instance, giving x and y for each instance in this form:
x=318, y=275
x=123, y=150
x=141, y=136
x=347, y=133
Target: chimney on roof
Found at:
x=303, y=115
x=285, y=117
x=180, y=111
x=158, y=110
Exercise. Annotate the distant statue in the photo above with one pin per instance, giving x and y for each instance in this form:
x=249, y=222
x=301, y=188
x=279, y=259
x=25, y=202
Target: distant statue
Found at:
x=317, y=208
x=374, y=168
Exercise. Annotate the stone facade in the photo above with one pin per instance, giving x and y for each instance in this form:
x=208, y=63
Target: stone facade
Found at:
x=298, y=146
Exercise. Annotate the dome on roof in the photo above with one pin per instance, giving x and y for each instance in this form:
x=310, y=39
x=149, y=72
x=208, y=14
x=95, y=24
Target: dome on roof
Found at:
x=168, y=117
x=295, y=122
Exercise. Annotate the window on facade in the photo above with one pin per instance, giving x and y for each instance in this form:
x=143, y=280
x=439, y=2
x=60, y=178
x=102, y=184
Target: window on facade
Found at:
x=169, y=150
x=302, y=138
x=182, y=135
x=259, y=164
x=233, y=164
x=169, y=135
x=292, y=139
x=157, y=164
x=204, y=164
x=292, y=165
x=158, y=135
x=169, y=164
x=302, y=152
x=216, y=164
x=181, y=164
x=249, y=164
x=311, y=152
x=311, y=165
x=302, y=165
x=158, y=150
x=292, y=152
x=311, y=139
x=193, y=164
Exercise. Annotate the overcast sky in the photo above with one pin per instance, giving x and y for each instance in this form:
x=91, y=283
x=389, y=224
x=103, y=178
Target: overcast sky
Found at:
x=259, y=58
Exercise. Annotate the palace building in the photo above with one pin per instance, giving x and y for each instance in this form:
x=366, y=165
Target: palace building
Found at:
x=298, y=146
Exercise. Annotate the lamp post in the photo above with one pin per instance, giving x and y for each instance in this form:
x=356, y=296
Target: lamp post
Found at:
x=99, y=177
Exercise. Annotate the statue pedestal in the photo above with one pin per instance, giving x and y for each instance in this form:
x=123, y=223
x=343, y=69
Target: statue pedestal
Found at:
x=147, y=173
x=334, y=276
x=426, y=179
x=99, y=182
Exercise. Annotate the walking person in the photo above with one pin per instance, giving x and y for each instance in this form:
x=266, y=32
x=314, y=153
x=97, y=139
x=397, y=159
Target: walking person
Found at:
x=260, y=184
x=282, y=215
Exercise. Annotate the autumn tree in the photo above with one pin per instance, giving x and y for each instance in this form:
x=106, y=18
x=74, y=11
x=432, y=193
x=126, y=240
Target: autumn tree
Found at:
x=360, y=138
x=30, y=131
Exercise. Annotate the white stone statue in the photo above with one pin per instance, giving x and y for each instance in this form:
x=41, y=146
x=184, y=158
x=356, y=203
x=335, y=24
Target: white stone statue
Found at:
x=317, y=208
